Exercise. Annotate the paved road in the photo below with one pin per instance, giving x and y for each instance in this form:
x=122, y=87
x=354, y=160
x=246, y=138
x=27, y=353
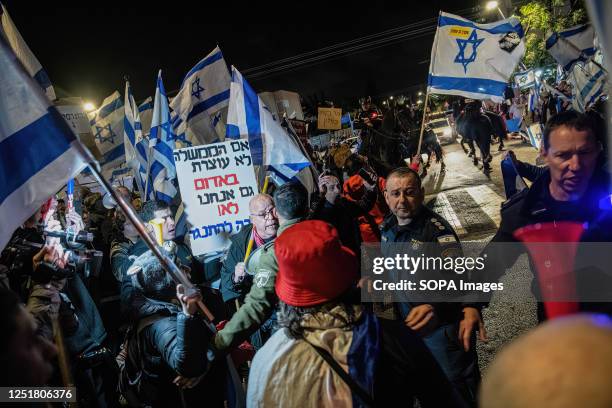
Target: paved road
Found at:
x=470, y=201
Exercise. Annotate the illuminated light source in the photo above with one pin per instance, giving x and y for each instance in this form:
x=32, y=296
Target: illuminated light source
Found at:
x=419, y=101
x=384, y=102
x=374, y=115
x=491, y=5
x=391, y=97
x=420, y=93
x=606, y=203
x=88, y=106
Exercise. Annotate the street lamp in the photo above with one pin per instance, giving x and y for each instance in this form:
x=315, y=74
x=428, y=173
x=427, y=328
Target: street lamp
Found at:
x=391, y=97
x=420, y=93
x=419, y=102
x=491, y=5
x=88, y=106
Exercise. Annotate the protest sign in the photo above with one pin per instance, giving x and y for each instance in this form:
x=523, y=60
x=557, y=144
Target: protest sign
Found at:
x=329, y=119
x=216, y=181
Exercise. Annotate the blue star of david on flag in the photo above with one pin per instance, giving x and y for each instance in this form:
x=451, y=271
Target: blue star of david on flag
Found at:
x=111, y=135
x=183, y=139
x=216, y=118
x=461, y=58
x=196, y=89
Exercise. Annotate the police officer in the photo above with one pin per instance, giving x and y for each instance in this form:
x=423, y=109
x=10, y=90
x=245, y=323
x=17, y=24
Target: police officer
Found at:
x=445, y=327
x=571, y=188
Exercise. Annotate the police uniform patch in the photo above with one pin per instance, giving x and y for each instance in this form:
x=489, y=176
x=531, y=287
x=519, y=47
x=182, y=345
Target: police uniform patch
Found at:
x=444, y=239
x=262, y=277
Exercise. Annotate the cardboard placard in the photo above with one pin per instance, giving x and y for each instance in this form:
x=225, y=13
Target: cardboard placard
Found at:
x=217, y=181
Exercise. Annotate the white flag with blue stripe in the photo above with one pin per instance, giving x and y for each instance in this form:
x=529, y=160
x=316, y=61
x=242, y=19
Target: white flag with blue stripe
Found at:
x=572, y=45
x=474, y=60
x=525, y=79
x=24, y=54
x=38, y=150
x=204, y=91
x=107, y=127
x=588, y=84
x=135, y=146
x=248, y=118
x=145, y=110
x=163, y=171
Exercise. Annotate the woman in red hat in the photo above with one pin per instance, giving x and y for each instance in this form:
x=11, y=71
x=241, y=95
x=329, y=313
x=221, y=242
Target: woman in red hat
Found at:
x=331, y=350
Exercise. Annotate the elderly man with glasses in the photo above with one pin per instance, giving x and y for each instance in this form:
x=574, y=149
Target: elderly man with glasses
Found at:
x=235, y=281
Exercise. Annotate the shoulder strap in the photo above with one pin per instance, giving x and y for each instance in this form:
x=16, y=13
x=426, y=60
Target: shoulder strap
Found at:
x=356, y=388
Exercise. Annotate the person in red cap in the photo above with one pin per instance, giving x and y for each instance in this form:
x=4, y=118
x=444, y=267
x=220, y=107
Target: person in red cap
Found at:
x=331, y=350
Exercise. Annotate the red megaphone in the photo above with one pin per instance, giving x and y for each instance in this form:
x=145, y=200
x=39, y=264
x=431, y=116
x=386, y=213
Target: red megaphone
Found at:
x=554, y=263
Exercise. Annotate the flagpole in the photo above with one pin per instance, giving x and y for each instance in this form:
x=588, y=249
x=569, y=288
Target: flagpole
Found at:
x=177, y=275
x=169, y=266
x=423, y=123
x=148, y=171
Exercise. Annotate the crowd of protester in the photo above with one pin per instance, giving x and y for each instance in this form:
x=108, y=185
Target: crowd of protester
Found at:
x=288, y=319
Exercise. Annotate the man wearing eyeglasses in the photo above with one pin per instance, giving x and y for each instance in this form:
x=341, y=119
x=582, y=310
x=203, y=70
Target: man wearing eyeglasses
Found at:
x=235, y=281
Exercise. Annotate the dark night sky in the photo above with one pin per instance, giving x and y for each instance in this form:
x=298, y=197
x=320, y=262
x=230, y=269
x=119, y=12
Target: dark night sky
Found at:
x=88, y=50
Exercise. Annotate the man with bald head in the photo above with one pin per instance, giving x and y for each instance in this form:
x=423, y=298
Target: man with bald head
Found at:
x=235, y=282
x=446, y=328
x=566, y=362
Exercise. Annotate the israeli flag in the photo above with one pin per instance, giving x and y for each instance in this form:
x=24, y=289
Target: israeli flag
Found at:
x=248, y=118
x=24, y=54
x=145, y=110
x=135, y=146
x=525, y=79
x=39, y=152
x=204, y=91
x=588, y=84
x=572, y=45
x=107, y=127
x=163, y=171
x=474, y=60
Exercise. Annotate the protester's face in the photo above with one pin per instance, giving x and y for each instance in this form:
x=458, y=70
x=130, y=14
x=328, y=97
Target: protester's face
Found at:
x=137, y=204
x=30, y=356
x=263, y=217
x=571, y=157
x=168, y=225
x=404, y=197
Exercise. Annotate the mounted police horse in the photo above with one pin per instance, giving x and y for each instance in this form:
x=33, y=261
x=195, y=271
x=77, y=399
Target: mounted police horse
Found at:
x=396, y=139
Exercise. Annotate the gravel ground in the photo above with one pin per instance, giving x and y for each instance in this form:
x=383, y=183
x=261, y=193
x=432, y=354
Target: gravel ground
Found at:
x=506, y=318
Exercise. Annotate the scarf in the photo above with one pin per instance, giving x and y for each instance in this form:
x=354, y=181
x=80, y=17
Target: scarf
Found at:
x=259, y=241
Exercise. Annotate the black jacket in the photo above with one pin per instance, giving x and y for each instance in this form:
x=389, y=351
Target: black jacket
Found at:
x=343, y=215
x=229, y=289
x=134, y=304
x=535, y=205
x=432, y=235
x=159, y=349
